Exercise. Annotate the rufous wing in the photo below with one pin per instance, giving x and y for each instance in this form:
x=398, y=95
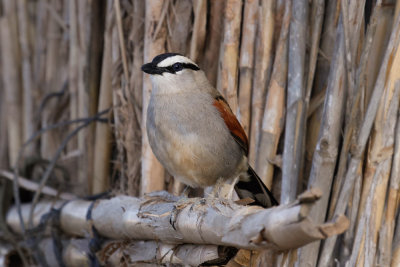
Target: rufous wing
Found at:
x=232, y=123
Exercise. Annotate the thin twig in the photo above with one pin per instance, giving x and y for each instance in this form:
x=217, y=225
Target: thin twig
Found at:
x=121, y=41
x=49, y=168
x=17, y=198
x=32, y=186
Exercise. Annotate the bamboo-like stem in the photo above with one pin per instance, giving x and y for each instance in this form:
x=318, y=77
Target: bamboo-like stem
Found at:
x=133, y=134
x=352, y=125
x=125, y=217
x=213, y=45
x=388, y=228
x=102, y=147
x=199, y=29
x=395, y=261
x=26, y=71
x=117, y=8
x=87, y=99
x=320, y=80
x=262, y=69
x=295, y=106
x=326, y=152
x=179, y=24
x=154, y=44
x=73, y=65
x=12, y=89
x=54, y=76
x=380, y=157
x=365, y=130
x=94, y=58
x=246, y=62
x=273, y=120
x=383, y=23
x=229, y=53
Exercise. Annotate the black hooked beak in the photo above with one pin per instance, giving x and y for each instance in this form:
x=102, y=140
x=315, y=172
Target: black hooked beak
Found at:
x=151, y=68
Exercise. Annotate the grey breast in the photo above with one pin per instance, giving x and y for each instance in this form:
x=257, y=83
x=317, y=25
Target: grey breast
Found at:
x=191, y=140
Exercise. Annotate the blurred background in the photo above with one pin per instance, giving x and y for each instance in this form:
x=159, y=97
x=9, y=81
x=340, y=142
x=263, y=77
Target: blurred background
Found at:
x=314, y=84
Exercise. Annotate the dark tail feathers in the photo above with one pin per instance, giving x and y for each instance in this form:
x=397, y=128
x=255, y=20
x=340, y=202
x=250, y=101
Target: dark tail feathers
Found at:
x=255, y=189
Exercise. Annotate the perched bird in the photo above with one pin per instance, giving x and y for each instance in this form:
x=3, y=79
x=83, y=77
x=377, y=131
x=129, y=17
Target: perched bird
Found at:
x=194, y=133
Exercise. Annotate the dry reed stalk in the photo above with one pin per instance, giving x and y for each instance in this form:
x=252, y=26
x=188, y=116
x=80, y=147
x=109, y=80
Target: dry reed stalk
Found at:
x=379, y=160
x=326, y=152
x=4, y=155
x=87, y=99
x=94, y=57
x=246, y=62
x=273, y=119
x=317, y=15
x=102, y=147
x=229, y=53
x=377, y=171
x=377, y=157
x=133, y=134
x=154, y=44
x=213, y=40
x=316, y=22
x=73, y=66
x=362, y=139
x=352, y=15
x=386, y=232
x=11, y=83
x=354, y=116
x=39, y=45
x=136, y=37
x=262, y=69
x=397, y=9
x=295, y=106
x=179, y=25
x=199, y=29
x=395, y=260
x=319, y=84
x=55, y=72
x=28, y=86
x=123, y=111
x=381, y=38
x=119, y=106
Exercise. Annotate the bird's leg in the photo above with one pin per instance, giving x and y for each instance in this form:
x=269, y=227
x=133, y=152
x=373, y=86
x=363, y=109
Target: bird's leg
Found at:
x=186, y=191
x=232, y=187
x=223, y=189
x=215, y=193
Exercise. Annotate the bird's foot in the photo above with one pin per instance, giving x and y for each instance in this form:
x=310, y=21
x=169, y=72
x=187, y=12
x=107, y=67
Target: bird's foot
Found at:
x=182, y=203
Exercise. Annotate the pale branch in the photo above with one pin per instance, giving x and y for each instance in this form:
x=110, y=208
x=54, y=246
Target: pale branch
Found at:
x=76, y=252
x=194, y=221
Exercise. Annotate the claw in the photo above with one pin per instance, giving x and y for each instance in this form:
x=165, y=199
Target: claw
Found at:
x=172, y=218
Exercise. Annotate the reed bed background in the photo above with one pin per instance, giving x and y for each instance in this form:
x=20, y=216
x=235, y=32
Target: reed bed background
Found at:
x=315, y=85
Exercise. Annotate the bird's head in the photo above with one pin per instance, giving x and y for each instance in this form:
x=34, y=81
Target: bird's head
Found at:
x=174, y=73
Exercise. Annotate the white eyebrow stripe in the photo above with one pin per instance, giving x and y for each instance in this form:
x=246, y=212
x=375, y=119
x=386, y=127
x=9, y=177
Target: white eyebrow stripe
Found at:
x=169, y=61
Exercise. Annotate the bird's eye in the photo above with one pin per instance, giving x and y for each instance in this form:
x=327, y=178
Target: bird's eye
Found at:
x=177, y=67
